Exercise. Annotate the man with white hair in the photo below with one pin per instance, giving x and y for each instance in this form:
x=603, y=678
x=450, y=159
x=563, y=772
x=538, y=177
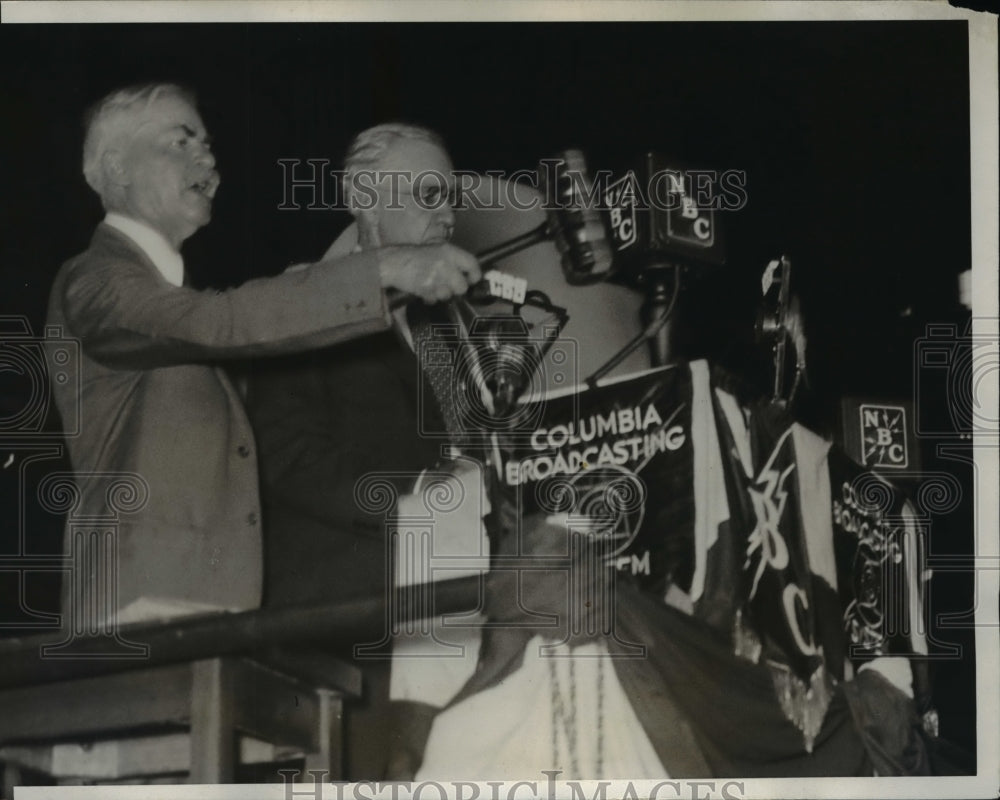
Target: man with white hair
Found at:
x=397, y=183
x=156, y=409
x=328, y=418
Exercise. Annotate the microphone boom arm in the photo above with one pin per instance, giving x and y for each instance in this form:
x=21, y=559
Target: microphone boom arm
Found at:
x=486, y=258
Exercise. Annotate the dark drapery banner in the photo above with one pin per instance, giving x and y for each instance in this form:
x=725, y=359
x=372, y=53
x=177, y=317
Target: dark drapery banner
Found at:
x=618, y=458
x=747, y=679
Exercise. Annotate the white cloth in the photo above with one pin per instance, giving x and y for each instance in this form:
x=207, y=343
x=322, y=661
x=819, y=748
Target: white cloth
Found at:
x=431, y=663
x=164, y=257
x=894, y=669
x=440, y=529
x=508, y=731
x=435, y=656
x=711, y=507
x=161, y=609
x=813, y=477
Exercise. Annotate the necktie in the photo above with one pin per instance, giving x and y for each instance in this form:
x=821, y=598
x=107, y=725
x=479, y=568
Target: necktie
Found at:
x=435, y=343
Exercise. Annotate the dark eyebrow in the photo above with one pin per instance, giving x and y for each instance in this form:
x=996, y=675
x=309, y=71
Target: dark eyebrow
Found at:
x=189, y=131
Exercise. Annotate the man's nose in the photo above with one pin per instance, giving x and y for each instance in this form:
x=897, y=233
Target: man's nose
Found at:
x=204, y=157
x=446, y=215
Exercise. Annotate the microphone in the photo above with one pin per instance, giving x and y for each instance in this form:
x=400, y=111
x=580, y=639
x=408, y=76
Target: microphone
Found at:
x=576, y=223
x=664, y=219
x=577, y=227
x=663, y=212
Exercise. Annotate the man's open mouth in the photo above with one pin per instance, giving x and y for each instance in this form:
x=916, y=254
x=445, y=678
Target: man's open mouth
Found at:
x=441, y=237
x=207, y=186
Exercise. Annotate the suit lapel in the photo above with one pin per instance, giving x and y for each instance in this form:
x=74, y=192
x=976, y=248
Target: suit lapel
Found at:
x=110, y=240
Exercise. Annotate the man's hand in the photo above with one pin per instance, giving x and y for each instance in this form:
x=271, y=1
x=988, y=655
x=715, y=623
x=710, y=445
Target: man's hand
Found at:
x=433, y=273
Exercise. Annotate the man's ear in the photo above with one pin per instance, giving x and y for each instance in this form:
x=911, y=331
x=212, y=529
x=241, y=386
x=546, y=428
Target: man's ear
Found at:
x=367, y=219
x=114, y=167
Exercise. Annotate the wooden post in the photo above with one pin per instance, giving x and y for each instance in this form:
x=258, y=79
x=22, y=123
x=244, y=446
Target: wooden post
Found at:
x=213, y=738
x=328, y=756
x=10, y=776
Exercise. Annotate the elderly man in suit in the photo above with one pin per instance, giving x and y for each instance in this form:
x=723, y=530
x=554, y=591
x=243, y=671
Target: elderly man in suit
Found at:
x=328, y=418
x=325, y=419
x=154, y=400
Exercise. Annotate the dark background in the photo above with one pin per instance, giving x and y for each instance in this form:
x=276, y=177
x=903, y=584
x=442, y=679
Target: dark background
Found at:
x=854, y=137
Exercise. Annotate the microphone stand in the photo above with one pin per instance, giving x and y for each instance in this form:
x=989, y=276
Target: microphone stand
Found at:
x=657, y=310
x=656, y=313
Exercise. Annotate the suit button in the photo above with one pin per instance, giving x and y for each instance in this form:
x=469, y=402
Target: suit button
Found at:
x=252, y=518
x=243, y=450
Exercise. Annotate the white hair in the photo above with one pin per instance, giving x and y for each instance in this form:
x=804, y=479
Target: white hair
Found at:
x=370, y=147
x=113, y=117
